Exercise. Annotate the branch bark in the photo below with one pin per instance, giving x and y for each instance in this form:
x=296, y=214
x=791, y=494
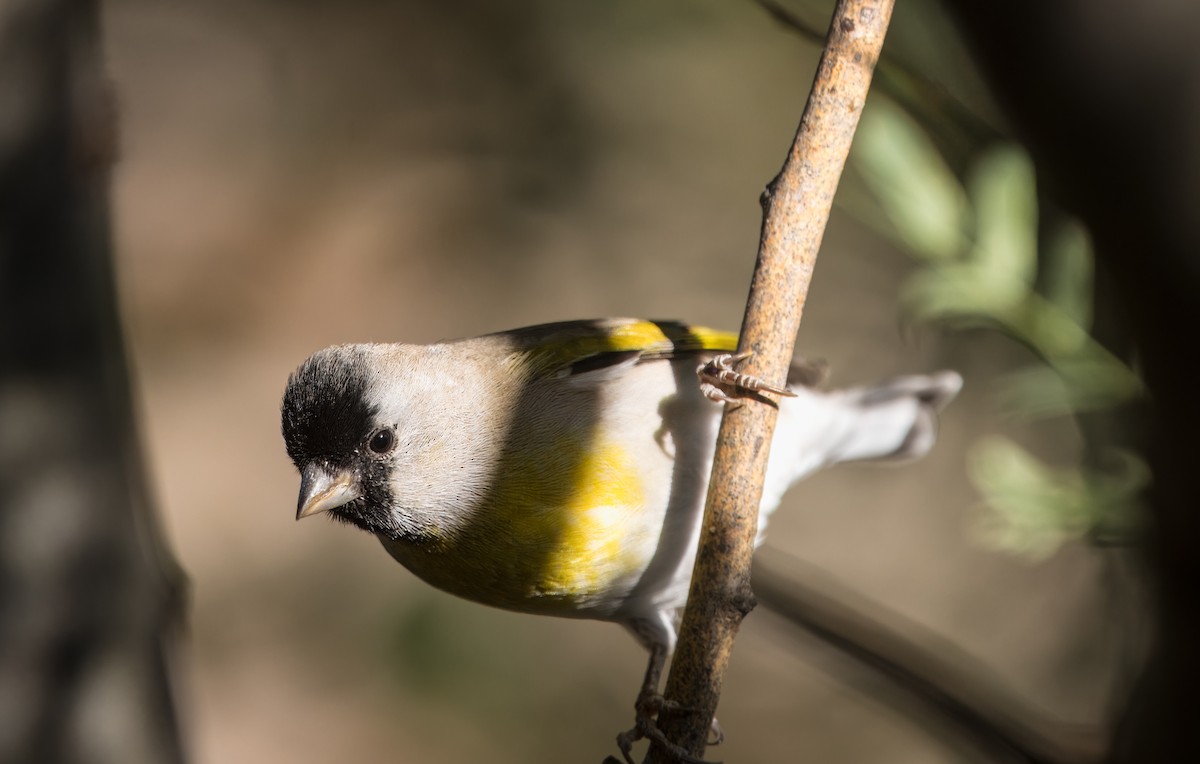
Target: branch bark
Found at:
x=796, y=206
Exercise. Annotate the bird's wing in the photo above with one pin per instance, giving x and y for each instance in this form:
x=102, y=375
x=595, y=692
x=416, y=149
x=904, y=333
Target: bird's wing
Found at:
x=576, y=348
x=598, y=349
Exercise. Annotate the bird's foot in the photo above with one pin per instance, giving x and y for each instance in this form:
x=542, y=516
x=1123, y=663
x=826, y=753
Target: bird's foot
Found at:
x=647, y=708
x=720, y=381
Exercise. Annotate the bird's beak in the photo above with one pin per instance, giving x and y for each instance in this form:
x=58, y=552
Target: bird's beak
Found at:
x=322, y=490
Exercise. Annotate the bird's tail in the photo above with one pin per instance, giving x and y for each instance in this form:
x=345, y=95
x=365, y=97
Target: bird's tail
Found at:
x=896, y=419
x=892, y=420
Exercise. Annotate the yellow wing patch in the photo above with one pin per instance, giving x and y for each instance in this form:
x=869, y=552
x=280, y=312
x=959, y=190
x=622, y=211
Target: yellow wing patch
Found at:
x=552, y=347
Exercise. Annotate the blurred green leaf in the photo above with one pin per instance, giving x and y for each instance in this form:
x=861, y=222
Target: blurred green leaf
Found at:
x=1046, y=328
x=1003, y=194
x=1067, y=273
x=980, y=247
x=964, y=292
x=1085, y=382
x=919, y=194
x=1034, y=509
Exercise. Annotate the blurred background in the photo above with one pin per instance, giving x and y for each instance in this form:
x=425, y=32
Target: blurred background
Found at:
x=293, y=175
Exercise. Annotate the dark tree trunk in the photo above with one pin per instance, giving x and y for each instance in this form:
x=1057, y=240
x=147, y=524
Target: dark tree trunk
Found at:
x=88, y=592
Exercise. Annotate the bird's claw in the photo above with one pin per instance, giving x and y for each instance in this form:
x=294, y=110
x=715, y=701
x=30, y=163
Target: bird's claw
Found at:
x=647, y=709
x=720, y=381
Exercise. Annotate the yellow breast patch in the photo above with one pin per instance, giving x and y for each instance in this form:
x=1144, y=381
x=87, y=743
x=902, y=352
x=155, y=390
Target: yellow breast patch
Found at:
x=574, y=533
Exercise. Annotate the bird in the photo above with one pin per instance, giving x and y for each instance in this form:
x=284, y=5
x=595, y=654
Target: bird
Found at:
x=561, y=469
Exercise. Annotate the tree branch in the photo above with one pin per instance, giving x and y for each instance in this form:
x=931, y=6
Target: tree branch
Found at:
x=957, y=690
x=796, y=207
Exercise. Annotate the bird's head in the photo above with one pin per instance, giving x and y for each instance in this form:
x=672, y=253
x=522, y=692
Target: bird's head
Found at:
x=399, y=440
x=340, y=439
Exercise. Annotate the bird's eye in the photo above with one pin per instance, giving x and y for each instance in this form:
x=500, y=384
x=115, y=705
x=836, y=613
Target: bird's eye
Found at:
x=382, y=441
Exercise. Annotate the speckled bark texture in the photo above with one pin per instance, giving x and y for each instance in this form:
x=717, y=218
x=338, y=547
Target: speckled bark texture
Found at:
x=796, y=208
